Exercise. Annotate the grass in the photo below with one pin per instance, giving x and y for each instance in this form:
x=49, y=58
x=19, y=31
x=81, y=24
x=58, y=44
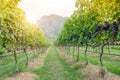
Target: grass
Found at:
x=7, y=67
x=112, y=65
x=113, y=49
x=56, y=68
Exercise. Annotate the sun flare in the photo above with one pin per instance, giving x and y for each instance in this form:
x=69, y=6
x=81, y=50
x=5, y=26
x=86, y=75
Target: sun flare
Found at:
x=38, y=8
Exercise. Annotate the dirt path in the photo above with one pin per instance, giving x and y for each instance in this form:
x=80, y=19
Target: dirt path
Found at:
x=37, y=63
x=56, y=68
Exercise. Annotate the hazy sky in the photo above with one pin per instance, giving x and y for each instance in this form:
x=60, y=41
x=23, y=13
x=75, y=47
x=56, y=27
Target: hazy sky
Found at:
x=38, y=8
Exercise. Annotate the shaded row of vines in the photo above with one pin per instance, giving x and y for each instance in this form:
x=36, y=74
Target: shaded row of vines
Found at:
x=16, y=33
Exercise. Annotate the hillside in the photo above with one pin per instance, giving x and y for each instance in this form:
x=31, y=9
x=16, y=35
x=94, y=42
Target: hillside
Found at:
x=51, y=25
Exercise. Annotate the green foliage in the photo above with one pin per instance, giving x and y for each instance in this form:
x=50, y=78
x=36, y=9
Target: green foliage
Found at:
x=15, y=30
x=88, y=15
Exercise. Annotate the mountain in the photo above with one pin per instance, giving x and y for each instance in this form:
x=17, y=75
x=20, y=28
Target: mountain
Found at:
x=51, y=25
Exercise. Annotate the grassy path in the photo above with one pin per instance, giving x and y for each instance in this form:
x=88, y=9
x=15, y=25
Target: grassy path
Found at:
x=55, y=68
